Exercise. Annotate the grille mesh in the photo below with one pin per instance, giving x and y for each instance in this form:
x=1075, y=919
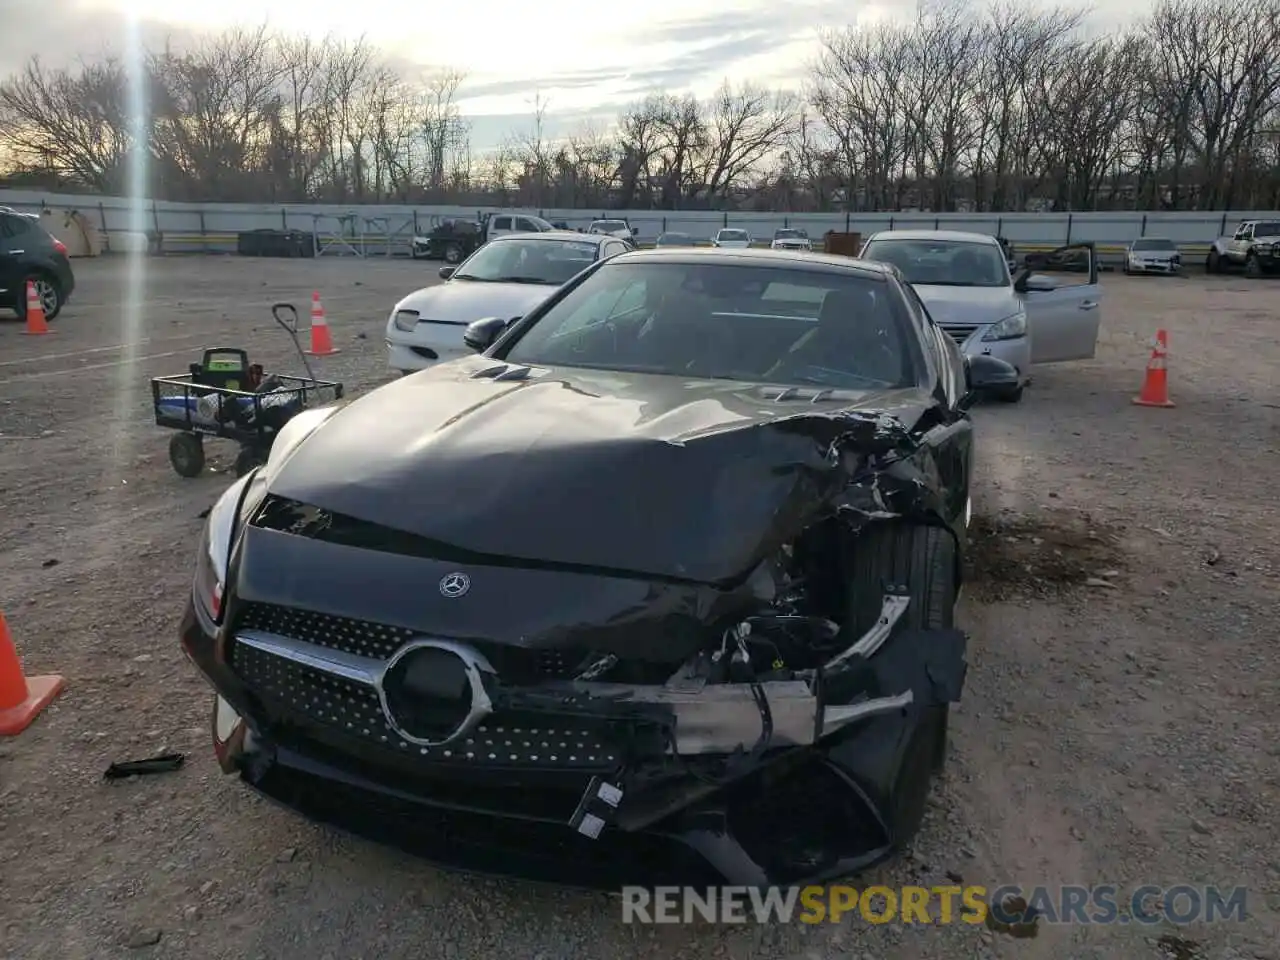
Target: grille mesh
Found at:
x=960, y=333
x=515, y=665
x=337, y=633
x=352, y=709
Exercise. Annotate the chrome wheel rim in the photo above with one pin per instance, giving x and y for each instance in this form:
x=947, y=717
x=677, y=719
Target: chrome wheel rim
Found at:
x=47, y=295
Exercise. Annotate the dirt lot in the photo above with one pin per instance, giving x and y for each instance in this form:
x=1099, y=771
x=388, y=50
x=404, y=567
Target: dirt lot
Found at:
x=1120, y=723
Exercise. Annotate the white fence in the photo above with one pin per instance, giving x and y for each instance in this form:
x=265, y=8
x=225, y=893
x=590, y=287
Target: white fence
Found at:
x=386, y=230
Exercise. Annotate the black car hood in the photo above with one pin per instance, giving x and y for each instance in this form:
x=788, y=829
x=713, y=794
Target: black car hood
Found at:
x=654, y=475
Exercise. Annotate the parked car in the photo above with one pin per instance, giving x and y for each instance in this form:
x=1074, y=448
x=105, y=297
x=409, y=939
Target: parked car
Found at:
x=1254, y=247
x=791, y=239
x=964, y=284
x=614, y=228
x=28, y=252
x=731, y=238
x=506, y=278
x=454, y=239
x=1152, y=255
x=673, y=238
x=679, y=548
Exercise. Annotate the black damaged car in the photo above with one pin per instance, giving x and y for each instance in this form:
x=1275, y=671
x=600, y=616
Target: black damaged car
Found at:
x=657, y=587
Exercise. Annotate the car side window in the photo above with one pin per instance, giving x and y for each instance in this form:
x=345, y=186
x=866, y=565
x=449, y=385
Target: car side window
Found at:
x=613, y=249
x=524, y=223
x=501, y=223
x=11, y=226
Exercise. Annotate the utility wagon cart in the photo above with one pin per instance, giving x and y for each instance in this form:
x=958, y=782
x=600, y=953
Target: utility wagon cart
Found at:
x=226, y=396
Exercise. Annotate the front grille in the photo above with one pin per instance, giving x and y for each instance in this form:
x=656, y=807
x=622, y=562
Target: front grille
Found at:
x=516, y=665
x=960, y=332
x=296, y=693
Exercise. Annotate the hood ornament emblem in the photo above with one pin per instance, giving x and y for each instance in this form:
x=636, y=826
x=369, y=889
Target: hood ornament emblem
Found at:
x=454, y=585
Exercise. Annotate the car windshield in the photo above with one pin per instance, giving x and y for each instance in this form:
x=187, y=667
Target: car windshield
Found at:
x=732, y=235
x=1267, y=228
x=1151, y=243
x=610, y=225
x=529, y=260
x=675, y=240
x=948, y=263
x=714, y=321
x=790, y=235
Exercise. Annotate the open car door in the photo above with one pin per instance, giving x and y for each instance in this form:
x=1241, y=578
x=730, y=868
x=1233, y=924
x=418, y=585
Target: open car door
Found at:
x=1063, y=300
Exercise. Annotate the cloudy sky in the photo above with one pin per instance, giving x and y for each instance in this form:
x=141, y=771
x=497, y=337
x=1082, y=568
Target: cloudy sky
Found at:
x=585, y=59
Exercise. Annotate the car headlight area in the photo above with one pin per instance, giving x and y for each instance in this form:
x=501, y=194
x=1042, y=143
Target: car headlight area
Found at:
x=405, y=320
x=1010, y=328
x=214, y=552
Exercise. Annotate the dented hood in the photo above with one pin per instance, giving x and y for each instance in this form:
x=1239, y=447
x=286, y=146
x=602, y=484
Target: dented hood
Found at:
x=656, y=475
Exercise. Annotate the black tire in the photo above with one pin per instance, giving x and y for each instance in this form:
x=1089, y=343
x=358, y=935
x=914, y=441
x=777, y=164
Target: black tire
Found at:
x=453, y=253
x=47, y=290
x=922, y=561
x=248, y=458
x=186, y=454
x=1213, y=263
x=1010, y=396
x=1252, y=268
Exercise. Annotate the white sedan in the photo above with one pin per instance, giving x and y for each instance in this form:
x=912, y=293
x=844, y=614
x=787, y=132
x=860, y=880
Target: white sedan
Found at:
x=729, y=237
x=507, y=277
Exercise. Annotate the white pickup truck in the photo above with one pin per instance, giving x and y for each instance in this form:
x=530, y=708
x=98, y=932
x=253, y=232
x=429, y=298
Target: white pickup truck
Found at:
x=1254, y=247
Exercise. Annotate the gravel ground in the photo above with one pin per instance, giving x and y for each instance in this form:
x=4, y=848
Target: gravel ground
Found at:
x=1119, y=724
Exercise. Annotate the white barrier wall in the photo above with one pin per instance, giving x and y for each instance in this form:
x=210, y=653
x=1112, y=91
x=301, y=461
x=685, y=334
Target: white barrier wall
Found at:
x=385, y=229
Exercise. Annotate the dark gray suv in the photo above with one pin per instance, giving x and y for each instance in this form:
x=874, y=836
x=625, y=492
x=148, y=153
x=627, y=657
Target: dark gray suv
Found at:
x=29, y=252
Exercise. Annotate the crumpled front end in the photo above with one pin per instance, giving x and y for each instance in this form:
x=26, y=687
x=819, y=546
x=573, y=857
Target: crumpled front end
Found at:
x=589, y=726
x=702, y=779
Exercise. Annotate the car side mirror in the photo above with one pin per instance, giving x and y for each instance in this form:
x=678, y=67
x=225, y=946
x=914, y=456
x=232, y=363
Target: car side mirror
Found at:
x=446, y=272
x=1028, y=282
x=480, y=335
x=986, y=374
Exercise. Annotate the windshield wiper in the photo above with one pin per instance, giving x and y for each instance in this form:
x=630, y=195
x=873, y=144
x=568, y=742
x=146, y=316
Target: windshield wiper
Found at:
x=471, y=276
x=524, y=280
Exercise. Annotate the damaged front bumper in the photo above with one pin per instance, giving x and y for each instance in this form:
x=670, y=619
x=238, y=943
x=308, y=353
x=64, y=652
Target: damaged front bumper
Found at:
x=601, y=785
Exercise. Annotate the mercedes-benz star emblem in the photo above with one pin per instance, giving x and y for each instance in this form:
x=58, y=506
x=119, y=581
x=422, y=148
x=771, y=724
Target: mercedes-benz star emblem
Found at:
x=433, y=691
x=454, y=585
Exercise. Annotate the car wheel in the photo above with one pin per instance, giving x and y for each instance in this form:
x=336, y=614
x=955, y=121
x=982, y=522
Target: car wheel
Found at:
x=1012, y=395
x=453, y=253
x=1213, y=264
x=48, y=292
x=1252, y=268
x=248, y=458
x=186, y=454
x=921, y=560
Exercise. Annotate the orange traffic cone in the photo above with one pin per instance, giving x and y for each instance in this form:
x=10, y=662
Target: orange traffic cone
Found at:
x=21, y=698
x=1155, y=388
x=36, y=323
x=321, y=342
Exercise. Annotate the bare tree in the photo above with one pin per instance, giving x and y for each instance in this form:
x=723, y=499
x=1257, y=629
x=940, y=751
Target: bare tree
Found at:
x=745, y=127
x=71, y=123
x=443, y=127
x=967, y=105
